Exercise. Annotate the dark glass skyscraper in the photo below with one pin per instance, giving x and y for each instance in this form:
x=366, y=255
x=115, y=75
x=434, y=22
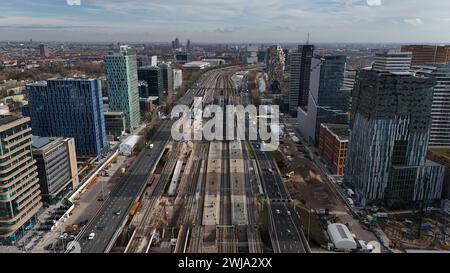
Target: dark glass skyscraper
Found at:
x=300, y=70
x=152, y=79
x=386, y=159
x=69, y=108
x=166, y=70
x=328, y=100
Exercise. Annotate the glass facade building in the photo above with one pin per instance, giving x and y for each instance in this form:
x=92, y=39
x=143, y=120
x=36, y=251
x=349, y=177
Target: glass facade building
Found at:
x=440, y=109
x=328, y=101
x=300, y=71
x=153, y=81
x=20, y=197
x=69, y=108
x=57, y=165
x=123, y=90
x=386, y=158
x=166, y=70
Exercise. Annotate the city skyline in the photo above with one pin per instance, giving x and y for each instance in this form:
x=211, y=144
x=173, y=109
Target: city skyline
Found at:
x=284, y=21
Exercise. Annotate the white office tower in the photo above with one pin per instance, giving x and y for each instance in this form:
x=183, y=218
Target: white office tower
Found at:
x=393, y=61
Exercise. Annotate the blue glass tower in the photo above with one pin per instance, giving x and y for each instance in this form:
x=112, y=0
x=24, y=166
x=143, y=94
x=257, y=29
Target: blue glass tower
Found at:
x=69, y=108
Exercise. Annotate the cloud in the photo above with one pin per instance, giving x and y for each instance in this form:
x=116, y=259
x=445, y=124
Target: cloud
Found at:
x=230, y=20
x=413, y=21
x=374, y=2
x=227, y=30
x=284, y=28
x=73, y=2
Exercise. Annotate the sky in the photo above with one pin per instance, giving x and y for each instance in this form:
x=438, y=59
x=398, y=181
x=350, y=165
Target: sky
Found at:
x=219, y=21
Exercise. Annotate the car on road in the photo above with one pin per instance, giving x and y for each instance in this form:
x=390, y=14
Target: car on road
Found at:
x=118, y=212
x=278, y=211
x=288, y=213
x=91, y=236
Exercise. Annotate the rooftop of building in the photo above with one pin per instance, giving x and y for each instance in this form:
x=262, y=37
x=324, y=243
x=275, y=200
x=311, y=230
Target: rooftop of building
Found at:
x=113, y=113
x=5, y=119
x=394, y=53
x=44, y=83
x=148, y=67
x=43, y=144
x=444, y=152
x=196, y=64
x=340, y=131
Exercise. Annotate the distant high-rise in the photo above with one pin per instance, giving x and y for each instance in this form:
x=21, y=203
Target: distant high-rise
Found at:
x=386, y=157
x=188, y=45
x=176, y=43
x=181, y=57
x=250, y=55
x=328, y=100
x=147, y=61
x=20, y=198
x=166, y=70
x=177, y=79
x=275, y=67
x=68, y=107
x=123, y=90
x=440, y=109
x=428, y=54
x=43, y=51
x=300, y=72
x=392, y=61
x=153, y=78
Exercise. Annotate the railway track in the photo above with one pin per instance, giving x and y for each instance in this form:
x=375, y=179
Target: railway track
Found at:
x=139, y=241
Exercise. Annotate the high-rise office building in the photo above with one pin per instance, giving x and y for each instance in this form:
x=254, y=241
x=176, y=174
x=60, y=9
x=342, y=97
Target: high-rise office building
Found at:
x=181, y=57
x=275, y=67
x=386, y=158
x=176, y=43
x=177, y=79
x=428, y=54
x=440, y=109
x=152, y=76
x=43, y=51
x=20, y=198
x=147, y=61
x=392, y=61
x=69, y=107
x=328, y=100
x=300, y=72
x=166, y=70
x=250, y=55
x=123, y=89
x=56, y=160
x=188, y=45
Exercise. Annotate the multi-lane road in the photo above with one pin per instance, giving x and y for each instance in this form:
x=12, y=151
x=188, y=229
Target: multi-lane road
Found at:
x=284, y=226
x=108, y=222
